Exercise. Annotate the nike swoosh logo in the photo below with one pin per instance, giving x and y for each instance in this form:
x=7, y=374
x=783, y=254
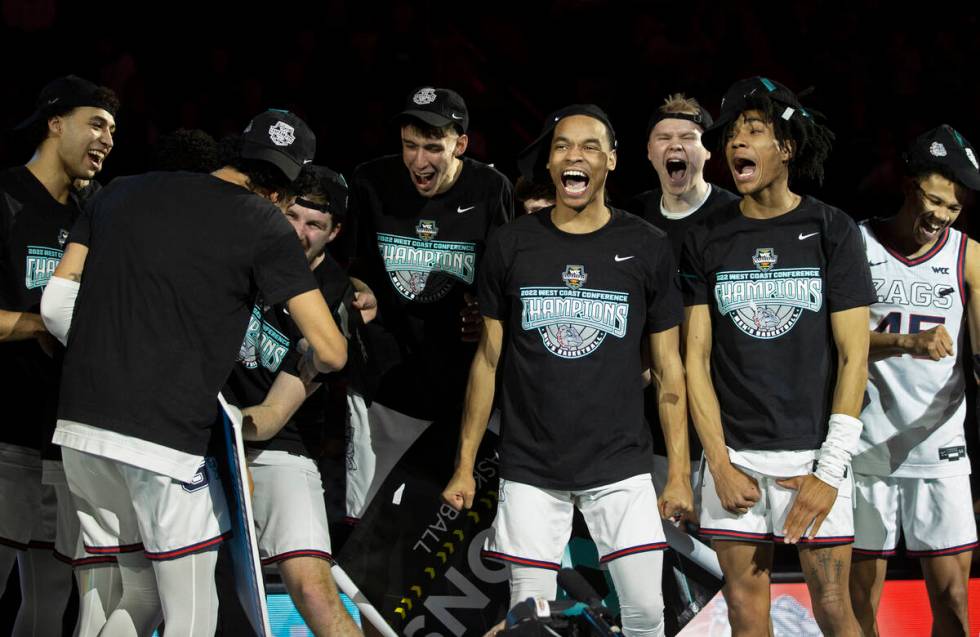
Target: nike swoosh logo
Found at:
x=807, y=236
x=455, y=116
x=946, y=292
x=872, y=264
x=618, y=258
x=460, y=209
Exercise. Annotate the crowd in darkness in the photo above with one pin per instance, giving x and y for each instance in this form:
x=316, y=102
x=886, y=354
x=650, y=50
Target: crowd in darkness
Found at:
x=345, y=66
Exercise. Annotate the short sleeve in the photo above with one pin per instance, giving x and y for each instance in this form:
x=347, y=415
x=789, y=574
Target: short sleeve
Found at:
x=491, y=280
x=505, y=210
x=663, y=295
x=81, y=231
x=279, y=267
x=849, y=282
x=693, y=280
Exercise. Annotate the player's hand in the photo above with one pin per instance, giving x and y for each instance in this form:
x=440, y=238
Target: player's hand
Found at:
x=677, y=501
x=812, y=504
x=496, y=629
x=460, y=491
x=737, y=491
x=471, y=319
x=367, y=304
x=934, y=343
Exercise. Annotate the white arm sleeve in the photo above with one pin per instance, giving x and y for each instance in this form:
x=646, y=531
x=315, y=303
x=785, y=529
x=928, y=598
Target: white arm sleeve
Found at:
x=58, y=305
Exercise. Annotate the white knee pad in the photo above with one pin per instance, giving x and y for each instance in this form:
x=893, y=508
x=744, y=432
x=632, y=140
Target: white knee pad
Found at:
x=641, y=601
x=528, y=581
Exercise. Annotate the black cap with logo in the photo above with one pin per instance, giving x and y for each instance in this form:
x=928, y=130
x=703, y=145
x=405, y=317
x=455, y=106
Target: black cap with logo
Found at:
x=437, y=107
x=335, y=187
x=944, y=146
x=532, y=159
x=280, y=138
x=740, y=97
x=62, y=95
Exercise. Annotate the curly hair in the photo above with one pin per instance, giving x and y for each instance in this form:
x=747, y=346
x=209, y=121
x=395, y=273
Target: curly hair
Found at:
x=806, y=131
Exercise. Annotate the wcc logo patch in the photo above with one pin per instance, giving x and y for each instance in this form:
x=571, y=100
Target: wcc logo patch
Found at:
x=426, y=230
x=766, y=302
x=424, y=96
x=572, y=320
x=282, y=134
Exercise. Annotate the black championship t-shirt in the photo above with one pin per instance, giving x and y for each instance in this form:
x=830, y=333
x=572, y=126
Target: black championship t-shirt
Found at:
x=175, y=263
x=33, y=230
x=647, y=206
x=771, y=286
x=420, y=255
x=576, y=309
x=269, y=349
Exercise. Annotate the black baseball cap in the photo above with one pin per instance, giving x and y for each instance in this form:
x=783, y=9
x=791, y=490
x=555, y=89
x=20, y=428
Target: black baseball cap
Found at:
x=437, y=107
x=742, y=95
x=944, y=147
x=530, y=161
x=62, y=95
x=280, y=138
x=702, y=118
x=335, y=186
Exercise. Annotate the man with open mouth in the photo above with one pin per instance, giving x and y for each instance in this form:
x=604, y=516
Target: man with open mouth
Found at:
x=678, y=156
x=420, y=221
x=912, y=474
x=71, y=132
x=579, y=289
x=777, y=290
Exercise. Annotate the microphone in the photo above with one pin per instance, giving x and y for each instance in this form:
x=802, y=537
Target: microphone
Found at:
x=581, y=591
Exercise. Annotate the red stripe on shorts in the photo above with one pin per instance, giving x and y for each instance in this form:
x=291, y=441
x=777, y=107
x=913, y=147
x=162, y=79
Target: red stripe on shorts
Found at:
x=523, y=561
x=642, y=548
x=187, y=550
x=323, y=555
x=953, y=550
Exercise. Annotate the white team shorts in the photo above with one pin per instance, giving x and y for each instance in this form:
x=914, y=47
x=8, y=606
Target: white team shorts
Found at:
x=290, y=513
x=379, y=436
x=124, y=509
x=533, y=525
x=68, y=546
x=21, y=496
x=934, y=514
x=764, y=522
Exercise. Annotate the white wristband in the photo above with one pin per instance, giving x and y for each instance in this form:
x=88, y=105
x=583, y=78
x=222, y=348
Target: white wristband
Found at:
x=843, y=434
x=58, y=306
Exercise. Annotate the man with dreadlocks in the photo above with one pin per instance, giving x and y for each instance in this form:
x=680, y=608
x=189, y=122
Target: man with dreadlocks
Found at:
x=777, y=290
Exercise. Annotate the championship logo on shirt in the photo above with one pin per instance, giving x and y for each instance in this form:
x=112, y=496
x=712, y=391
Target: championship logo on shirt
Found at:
x=423, y=269
x=263, y=344
x=767, y=302
x=573, y=321
x=40, y=265
x=426, y=230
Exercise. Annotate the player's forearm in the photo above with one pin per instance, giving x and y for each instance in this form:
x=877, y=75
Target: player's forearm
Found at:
x=476, y=408
x=262, y=422
x=885, y=345
x=672, y=408
x=20, y=326
x=706, y=413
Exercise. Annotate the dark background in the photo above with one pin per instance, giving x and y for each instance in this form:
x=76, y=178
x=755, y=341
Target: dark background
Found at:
x=882, y=74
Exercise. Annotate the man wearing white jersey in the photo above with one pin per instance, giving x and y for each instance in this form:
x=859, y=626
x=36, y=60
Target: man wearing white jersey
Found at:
x=911, y=468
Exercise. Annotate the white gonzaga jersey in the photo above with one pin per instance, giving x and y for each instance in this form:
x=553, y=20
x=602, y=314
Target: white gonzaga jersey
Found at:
x=913, y=422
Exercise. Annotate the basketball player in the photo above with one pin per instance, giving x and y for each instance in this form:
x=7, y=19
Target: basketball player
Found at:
x=777, y=290
x=576, y=291
x=911, y=468
x=677, y=155
x=72, y=132
x=420, y=221
x=172, y=264
x=290, y=513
